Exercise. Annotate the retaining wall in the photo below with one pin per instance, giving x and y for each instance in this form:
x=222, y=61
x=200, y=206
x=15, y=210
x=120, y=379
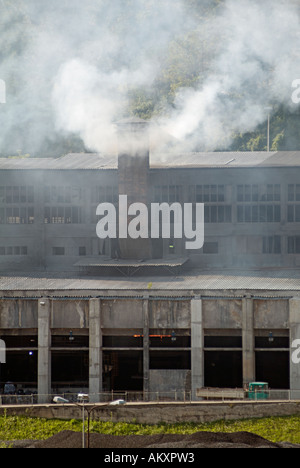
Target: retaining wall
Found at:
x=153, y=413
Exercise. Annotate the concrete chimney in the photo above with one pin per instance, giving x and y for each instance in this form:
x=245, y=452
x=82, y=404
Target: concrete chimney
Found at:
x=133, y=177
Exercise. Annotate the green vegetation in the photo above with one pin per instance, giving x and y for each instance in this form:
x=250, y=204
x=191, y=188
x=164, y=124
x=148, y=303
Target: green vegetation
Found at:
x=275, y=429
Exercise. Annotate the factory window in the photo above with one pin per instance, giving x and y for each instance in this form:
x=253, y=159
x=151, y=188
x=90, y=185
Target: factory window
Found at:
x=105, y=193
x=58, y=251
x=294, y=245
x=293, y=213
x=261, y=212
x=167, y=193
x=16, y=250
x=17, y=215
x=258, y=193
x=217, y=214
x=16, y=194
x=61, y=194
x=258, y=213
x=82, y=251
x=272, y=193
x=62, y=215
x=207, y=193
x=272, y=245
x=211, y=248
x=294, y=193
x=247, y=193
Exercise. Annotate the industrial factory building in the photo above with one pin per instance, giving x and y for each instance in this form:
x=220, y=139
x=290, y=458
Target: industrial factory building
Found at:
x=148, y=314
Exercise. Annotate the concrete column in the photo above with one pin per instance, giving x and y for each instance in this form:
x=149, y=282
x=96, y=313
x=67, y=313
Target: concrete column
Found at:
x=95, y=350
x=197, y=345
x=146, y=344
x=248, y=340
x=294, y=306
x=44, y=350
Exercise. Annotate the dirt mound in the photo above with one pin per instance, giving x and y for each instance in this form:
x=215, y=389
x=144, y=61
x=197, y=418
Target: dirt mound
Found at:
x=69, y=439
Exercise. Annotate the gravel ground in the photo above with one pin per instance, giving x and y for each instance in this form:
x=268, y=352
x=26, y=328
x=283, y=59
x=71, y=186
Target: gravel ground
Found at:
x=69, y=439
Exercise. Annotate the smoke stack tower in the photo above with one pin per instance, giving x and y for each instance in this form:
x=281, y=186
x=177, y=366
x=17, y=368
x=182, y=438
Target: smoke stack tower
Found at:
x=133, y=177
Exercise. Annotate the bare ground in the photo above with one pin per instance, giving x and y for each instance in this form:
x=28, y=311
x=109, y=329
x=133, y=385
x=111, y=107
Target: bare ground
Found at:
x=69, y=439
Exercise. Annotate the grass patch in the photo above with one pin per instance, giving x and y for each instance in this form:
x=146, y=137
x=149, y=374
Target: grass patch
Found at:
x=275, y=429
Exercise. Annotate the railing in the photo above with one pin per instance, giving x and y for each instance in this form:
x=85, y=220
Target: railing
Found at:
x=144, y=397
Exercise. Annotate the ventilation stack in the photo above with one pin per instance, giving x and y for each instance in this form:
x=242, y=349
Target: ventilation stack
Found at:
x=133, y=177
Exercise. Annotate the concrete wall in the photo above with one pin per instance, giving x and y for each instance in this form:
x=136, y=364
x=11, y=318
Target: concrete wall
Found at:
x=167, y=413
x=170, y=381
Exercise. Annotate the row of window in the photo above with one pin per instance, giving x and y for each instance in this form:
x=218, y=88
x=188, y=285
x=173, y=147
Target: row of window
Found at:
x=63, y=215
x=212, y=214
x=13, y=250
x=16, y=194
x=17, y=215
x=258, y=193
x=212, y=193
x=270, y=245
x=259, y=214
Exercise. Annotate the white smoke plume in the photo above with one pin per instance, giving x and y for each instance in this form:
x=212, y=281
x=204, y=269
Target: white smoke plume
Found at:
x=254, y=70
x=69, y=68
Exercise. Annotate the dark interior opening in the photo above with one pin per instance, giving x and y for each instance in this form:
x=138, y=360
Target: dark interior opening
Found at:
x=223, y=342
x=70, y=368
x=123, y=370
x=20, y=368
x=223, y=369
x=170, y=360
x=273, y=367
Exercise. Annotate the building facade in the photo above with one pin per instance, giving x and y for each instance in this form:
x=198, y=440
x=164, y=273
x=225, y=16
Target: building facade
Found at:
x=252, y=212
x=72, y=319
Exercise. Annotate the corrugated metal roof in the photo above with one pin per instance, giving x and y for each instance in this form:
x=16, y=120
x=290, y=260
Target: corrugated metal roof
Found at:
x=96, y=161
x=218, y=159
x=267, y=281
x=85, y=161
x=28, y=163
x=72, y=161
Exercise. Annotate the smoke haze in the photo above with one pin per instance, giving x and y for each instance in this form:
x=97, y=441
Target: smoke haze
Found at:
x=70, y=69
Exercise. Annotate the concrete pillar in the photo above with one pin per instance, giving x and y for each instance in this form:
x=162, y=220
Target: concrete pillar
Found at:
x=294, y=307
x=44, y=350
x=197, y=345
x=248, y=340
x=95, y=350
x=146, y=344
